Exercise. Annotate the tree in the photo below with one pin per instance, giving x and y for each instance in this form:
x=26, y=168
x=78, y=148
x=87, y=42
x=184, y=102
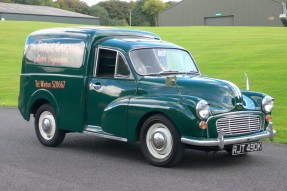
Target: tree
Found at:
x=33, y=2
x=153, y=8
x=170, y=3
x=140, y=18
x=73, y=5
x=6, y=1
x=101, y=12
x=118, y=10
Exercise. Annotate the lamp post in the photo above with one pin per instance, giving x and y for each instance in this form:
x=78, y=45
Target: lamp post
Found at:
x=130, y=17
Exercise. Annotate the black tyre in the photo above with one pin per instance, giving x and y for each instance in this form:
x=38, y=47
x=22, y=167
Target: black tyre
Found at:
x=160, y=141
x=46, y=127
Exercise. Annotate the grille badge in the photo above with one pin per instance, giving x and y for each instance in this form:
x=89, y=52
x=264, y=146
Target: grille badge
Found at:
x=239, y=106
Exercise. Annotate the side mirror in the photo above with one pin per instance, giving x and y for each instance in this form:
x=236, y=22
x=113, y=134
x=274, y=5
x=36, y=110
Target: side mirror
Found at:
x=170, y=80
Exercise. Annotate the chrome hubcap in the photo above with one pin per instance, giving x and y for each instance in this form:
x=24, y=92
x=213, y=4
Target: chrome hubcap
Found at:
x=159, y=141
x=46, y=124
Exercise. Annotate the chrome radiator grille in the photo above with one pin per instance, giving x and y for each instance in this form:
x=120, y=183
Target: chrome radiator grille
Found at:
x=239, y=124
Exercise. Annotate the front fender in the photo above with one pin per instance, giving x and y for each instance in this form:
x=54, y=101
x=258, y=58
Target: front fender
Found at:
x=255, y=97
x=177, y=108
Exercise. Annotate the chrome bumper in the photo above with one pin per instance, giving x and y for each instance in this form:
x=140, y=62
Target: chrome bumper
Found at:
x=221, y=141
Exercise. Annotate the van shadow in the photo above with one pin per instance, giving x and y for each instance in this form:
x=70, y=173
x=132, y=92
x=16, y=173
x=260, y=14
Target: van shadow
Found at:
x=92, y=145
x=193, y=159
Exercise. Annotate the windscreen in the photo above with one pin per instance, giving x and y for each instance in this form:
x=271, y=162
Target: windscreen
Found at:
x=159, y=60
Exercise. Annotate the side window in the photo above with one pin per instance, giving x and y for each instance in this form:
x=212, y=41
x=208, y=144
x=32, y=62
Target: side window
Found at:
x=111, y=64
x=122, y=70
x=106, y=63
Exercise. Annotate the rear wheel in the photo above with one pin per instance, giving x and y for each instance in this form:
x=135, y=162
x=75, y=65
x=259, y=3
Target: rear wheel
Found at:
x=160, y=141
x=46, y=127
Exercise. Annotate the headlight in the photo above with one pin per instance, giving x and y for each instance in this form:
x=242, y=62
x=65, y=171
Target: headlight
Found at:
x=267, y=104
x=202, y=109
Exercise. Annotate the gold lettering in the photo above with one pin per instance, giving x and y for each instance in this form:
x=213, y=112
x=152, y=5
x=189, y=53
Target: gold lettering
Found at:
x=41, y=59
x=76, y=48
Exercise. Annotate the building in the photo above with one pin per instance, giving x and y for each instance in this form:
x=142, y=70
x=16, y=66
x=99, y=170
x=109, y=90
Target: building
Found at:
x=225, y=13
x=20, y=12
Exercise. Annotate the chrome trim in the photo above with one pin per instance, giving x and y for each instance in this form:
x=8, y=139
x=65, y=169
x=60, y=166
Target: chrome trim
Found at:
x=130, y=77
x=236, y=113
x=47, y=74
x=198, y=108
x=236, y=90
x=220, y=141
x=271, y=131
x=96, y=57
x=97, y=131
x=264, y=103
x=238, y=120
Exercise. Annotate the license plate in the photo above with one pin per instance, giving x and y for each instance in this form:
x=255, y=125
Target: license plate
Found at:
x=246, y=147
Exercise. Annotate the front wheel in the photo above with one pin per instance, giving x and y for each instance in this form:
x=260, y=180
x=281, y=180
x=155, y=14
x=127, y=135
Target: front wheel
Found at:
x=160, y=141
x=46, y=127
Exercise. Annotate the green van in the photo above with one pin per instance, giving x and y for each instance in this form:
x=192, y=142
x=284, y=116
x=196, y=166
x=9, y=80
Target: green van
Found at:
x=130, y=86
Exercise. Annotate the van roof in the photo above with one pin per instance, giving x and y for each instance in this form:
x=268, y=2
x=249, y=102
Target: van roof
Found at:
x=97, y=31
x=129, y=43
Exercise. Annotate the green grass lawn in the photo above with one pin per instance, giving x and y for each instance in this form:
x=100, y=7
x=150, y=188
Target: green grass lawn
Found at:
x=220, y=52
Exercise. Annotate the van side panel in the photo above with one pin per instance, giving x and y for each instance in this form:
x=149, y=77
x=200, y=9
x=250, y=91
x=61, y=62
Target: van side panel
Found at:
x=53, y=71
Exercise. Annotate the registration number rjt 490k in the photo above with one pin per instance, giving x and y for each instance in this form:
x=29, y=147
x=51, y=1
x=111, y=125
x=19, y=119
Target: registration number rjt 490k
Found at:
x=246, y=147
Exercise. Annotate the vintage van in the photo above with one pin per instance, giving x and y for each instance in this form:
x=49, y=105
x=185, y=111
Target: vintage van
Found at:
x=130, y=85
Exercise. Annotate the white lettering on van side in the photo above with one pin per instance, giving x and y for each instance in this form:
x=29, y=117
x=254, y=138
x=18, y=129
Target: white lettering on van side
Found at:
x=57, y=54
x=57, y=61
x=76, y=48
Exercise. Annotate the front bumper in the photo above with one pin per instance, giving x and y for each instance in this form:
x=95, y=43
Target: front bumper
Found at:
x=220, y=141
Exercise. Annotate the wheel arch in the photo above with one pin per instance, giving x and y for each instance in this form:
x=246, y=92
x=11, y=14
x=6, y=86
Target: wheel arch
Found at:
x=177, y=112
x=41, y=97
x=148, y=115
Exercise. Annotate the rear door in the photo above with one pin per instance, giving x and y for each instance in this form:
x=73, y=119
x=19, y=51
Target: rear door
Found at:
x=110, y=89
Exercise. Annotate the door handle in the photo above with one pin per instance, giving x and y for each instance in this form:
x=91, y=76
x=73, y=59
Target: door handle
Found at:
x=96, y=86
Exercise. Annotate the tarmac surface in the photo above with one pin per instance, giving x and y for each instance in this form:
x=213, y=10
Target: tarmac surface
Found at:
x=84, y=162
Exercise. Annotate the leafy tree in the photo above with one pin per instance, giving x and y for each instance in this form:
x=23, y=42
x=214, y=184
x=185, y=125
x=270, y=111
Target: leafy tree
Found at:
x=101, y=12
x=111, y=12
x=118, y=10
x=170, y=3
x=6, y=1
x=140, y=18
x=73, y=5
x=153, y=8
x=33, y=2
x=115, y=22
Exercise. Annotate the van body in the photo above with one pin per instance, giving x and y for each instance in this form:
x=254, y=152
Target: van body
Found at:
x=130, y=85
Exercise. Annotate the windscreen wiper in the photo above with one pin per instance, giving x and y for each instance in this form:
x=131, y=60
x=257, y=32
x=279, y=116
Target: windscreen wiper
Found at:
x=192, y=72
x=163, y=73
x=168, y=72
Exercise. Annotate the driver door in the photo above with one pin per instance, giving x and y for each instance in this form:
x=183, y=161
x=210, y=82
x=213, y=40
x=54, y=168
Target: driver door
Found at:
x=110, y=89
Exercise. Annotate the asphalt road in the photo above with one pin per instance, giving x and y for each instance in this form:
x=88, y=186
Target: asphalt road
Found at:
x=84, y=162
